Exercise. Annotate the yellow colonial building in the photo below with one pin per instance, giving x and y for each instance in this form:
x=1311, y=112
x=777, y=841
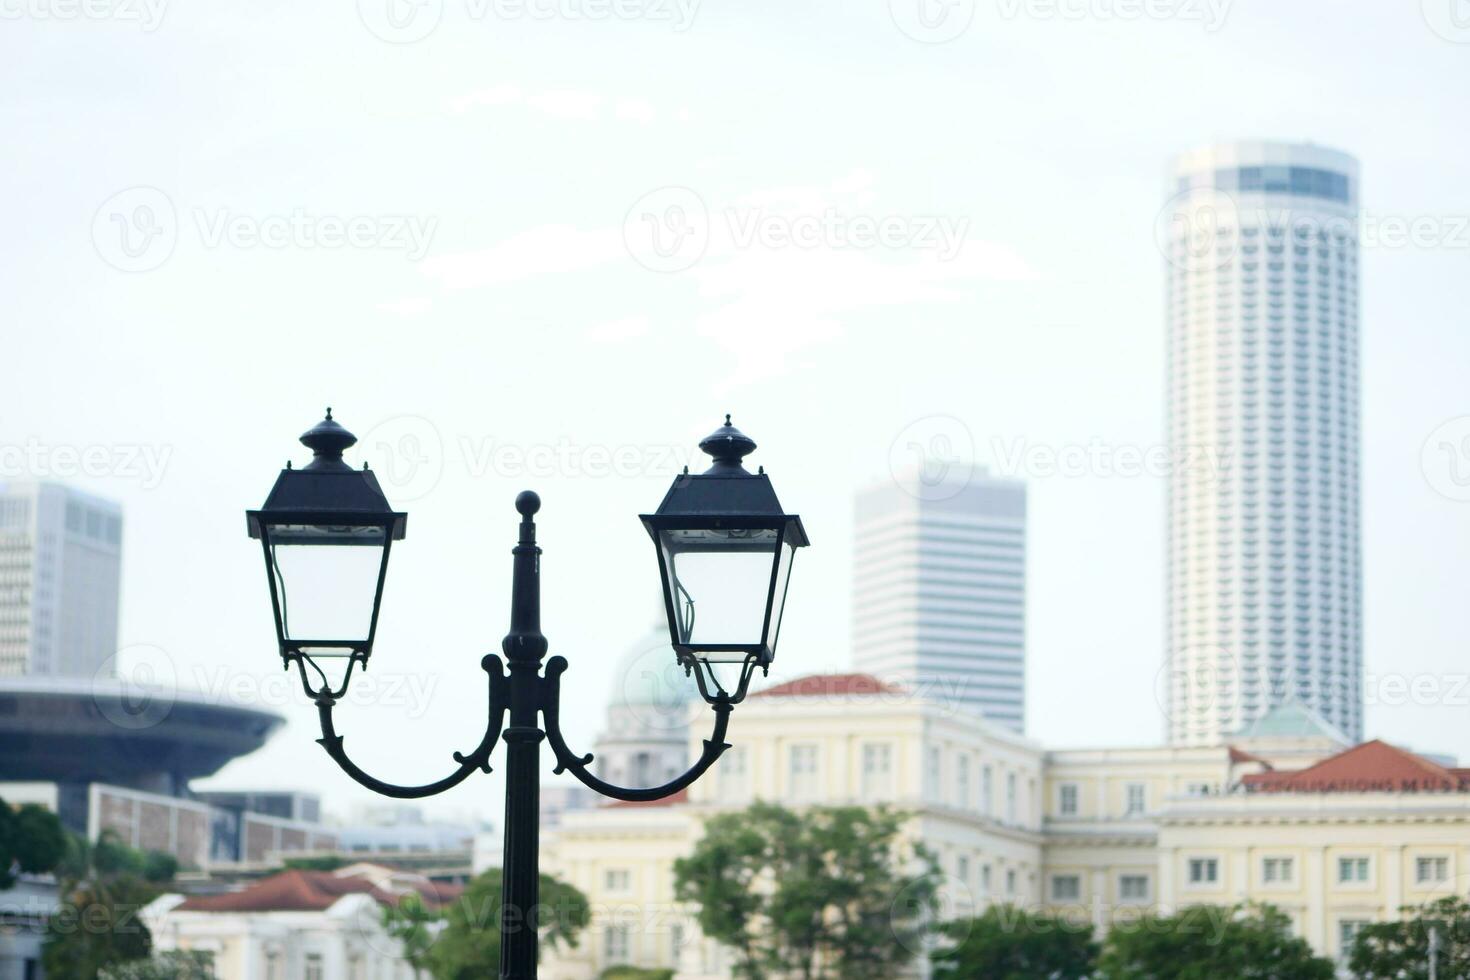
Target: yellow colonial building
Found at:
x=1287, y=813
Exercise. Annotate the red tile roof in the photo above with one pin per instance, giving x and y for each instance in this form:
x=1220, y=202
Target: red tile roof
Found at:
x=1372, y=767
x=306, y=891
x=680, y=797
x=829, y=685
x=1238, y=756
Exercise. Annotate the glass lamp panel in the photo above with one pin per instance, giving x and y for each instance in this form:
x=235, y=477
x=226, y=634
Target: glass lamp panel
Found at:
x=778, y=597
x=327, y=580
x=719, y=580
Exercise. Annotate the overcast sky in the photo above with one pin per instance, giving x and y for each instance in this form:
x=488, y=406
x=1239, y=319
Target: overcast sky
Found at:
x=549, y=246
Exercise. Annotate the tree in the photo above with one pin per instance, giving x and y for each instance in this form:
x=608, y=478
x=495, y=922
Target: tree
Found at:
x=31, y=841
x=468, y=947
x=1208, y=942
x=97, y=925
x=172, y=965
x=1008, y=943
x=104, y=888
x=1400, y=949
x=832, y=893
x=415, y=926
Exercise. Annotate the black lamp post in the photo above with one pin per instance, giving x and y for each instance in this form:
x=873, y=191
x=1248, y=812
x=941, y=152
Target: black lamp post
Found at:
x=724, y=551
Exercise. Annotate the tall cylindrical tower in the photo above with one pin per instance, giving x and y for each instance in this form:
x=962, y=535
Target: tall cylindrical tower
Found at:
x=1264, y=569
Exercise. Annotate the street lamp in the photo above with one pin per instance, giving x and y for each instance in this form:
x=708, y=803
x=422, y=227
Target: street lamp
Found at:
x=725, y=549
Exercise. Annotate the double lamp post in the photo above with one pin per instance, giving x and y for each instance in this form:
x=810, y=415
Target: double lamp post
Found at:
x=724, y=549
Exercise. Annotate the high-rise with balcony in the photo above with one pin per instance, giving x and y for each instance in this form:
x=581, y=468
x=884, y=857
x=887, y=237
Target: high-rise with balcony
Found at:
x=60, y=566
x=1264, y=569
x=939, y=591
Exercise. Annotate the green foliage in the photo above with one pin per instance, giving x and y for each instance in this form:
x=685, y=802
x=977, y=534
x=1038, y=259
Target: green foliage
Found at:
x=318, y=862
x=31, y=840
x=1400, y=950
x=1206, y=942
x=414, y=925
x=828, y=894
x=98, y=925
x=468, y=946
x=634, y=973
x=105, y=886
x=172, y=965
x=1008, y=943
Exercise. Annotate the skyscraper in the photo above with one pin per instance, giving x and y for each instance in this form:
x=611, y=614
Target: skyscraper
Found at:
x=1264, y=571
x=939, y=591
x=60, y=566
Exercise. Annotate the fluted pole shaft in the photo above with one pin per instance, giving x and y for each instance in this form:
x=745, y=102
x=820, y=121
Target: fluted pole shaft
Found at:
x=524, y=646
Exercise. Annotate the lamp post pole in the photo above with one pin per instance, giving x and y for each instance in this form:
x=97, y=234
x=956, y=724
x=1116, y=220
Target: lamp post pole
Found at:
x=724, y=513
x=523, y=646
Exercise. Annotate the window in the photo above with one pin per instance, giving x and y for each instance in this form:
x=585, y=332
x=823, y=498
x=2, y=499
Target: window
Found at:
x=1347, y=935
x=962, y=869
x=676, y=942
x=313, y=967
x=1136, y=798
x=985, y=879
x=877, y=772
x=1010, y=797
x=803, y=772
x=1197, y=789
x=617, y=879
x=987, y=792
x=1204, y=871
x=731, y=774
x=933, y=788
x=962, y=782
x=1011, y=881
x=615, y=945
x=273, y=966
x=1133, y=888
x=1066, y=888
x=1277, y=870
x=1067, y=799
x=1352, y=870
x=1429, y=869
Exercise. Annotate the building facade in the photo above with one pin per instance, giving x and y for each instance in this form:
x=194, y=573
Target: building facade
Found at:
x=939, y=590
x=296, y=925
x=60, y=572
x=1264, y=571
x=1285, y=812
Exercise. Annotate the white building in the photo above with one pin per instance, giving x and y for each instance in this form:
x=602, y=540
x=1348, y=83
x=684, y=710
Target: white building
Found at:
x=939, y=590
x=1264, y=576
x=296, y=925
x=60, y=568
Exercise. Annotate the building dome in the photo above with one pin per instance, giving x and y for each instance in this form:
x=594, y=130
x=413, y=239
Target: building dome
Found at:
x=646, y=739
x=647, y=675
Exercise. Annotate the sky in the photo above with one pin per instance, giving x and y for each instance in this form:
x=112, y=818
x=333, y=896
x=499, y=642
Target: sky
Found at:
x=549, y=244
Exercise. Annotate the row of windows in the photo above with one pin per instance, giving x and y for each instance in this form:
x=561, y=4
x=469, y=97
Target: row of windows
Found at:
x=1350, y=870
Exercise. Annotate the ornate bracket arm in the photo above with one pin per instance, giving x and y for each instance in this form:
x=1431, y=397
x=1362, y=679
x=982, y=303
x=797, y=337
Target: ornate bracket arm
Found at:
x=478, y=759
x=567, y=761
